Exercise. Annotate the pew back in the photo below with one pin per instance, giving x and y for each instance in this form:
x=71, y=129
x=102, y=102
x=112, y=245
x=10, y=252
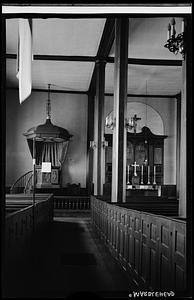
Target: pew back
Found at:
x=151, y=248
x=23, y=220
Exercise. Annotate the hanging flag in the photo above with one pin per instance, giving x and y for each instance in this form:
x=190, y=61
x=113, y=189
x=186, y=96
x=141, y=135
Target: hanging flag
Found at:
x=24, y=59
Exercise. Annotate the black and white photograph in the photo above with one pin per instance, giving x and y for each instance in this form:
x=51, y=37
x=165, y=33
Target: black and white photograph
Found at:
x=96, y=151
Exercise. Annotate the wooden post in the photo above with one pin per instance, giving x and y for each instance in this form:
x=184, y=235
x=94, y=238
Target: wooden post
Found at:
x=90, y=137
x=178, y=130
x=3, y=141
x=119, y=111
x=100, y=83
x=185, y=132
x=34, y=180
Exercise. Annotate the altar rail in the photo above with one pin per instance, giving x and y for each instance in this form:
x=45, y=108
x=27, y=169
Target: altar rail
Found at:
x=72, y=202
x=152, y=249
x=23, y=220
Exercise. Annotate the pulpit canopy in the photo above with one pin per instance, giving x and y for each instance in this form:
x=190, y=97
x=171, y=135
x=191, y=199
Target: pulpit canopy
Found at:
x=48, y=142
x=48, y=132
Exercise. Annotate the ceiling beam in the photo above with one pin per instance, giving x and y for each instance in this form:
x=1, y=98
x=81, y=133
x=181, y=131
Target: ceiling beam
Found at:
x=105, y=94
x=145, y=96
x=149, y=62
x=105, y=46
x=57, y=57
x=131, y=61
x=52, y=91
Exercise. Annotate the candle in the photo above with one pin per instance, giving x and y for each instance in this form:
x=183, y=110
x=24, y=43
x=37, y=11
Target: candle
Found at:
x=154, y=175
x=148, y=174
x=169, y=29
x=141, y=174
x=182, y=25
x=128, y=174
x=173, y=31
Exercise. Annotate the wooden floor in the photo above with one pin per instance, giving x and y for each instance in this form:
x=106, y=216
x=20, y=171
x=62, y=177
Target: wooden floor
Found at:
x=68, y=260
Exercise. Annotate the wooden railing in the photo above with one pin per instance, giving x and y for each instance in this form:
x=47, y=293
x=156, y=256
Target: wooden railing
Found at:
x=72, y=202
x=151, y=248
x=20, y=184
x=29, y=184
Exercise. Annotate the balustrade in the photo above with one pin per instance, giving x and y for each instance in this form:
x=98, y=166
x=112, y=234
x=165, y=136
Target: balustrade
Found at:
x=72, y=202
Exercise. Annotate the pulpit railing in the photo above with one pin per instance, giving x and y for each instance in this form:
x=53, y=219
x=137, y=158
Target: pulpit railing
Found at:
x=29, y=185
x=19, y=185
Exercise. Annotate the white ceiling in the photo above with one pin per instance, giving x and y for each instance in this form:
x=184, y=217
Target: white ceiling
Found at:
x=81, y=37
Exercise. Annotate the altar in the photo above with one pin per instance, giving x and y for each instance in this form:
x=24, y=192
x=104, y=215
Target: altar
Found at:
x=143, y=190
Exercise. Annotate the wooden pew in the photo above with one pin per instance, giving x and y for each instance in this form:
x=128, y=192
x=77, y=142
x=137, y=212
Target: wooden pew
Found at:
x=153, y=204
x=151, y=248
x=24, y=220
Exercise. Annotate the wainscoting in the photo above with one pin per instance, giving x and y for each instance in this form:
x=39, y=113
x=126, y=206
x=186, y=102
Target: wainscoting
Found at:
x=151, y=248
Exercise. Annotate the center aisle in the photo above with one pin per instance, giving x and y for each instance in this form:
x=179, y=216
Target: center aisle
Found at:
x=70, y=259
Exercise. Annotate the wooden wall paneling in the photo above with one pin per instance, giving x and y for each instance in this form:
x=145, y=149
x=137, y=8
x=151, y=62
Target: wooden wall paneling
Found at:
x=113, y=230
x=130, y=230
x=108, y=225
x=152, y=242
x=106, y=221
x=144, y=261
x=134, y=239
x=178, y=261
x=100, y=217
x=137, y=242
x=93, y=211
x=97, y=218
x=122, y=233
x=164, y=253
x=117, y=233
x=104, y=224
x=126, y=240
x=102, y=221
x=151, y=248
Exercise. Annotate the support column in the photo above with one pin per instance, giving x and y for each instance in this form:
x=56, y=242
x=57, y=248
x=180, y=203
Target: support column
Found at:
x=178, y=126
x=3, y=143
x=90, y=137
x=100, y=84
x=185, y=134
x=120, y=110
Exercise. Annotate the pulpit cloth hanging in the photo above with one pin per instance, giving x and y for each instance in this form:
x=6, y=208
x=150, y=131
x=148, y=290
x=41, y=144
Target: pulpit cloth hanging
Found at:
x=54, y=153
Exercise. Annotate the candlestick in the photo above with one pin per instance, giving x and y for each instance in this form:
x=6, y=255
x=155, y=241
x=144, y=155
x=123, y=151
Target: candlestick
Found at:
x=154, y=175
x=148, y=174
x=142, y=174
x=128, y=182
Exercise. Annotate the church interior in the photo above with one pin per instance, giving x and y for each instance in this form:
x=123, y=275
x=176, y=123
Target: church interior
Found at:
x=96, y=195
